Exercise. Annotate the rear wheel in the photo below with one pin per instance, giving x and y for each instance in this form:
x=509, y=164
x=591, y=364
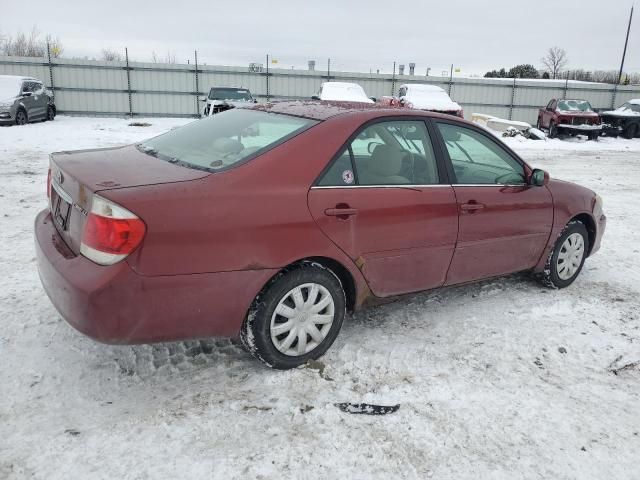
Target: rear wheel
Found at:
x=51, y=113
x=594, y=136
x=631, y=131
x=567, y=258
x=21, y=117
x=296, y=317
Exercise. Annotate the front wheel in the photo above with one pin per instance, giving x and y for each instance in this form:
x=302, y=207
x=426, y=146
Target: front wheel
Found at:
x=296, y=317
x=553, y=130
x=21, y=117
x=631, y=131
x=568, y=255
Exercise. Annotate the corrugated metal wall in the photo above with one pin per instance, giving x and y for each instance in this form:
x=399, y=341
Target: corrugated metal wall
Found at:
x=104, y=88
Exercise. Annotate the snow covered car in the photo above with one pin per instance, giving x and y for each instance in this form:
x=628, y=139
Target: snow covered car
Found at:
x=424, y=97
x=342, y=92
x=624, y=120
x=24, y=100
x=204, y=231
x=225, y=98
x=569, y=116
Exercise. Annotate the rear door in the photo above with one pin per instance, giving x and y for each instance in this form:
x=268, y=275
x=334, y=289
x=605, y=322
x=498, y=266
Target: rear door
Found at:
x=384, y=201
x=504, y=222
x=40, y=101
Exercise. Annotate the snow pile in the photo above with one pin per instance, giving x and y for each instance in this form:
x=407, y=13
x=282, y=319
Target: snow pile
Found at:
x=629, y=109
x=498, y=379
x=9, y=87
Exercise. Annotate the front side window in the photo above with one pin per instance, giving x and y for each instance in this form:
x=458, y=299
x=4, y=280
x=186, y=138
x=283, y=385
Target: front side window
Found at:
x=477, y=159
x=386, y=153
x=223, y=140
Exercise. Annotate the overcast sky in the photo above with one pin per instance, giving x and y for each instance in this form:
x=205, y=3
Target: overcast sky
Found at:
x=475, y=35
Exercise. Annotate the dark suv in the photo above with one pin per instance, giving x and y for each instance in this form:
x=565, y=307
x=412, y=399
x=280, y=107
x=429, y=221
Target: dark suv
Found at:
x=24, y=100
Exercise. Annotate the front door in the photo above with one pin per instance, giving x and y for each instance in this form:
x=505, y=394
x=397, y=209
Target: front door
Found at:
x=504, y=222
x=382, y=202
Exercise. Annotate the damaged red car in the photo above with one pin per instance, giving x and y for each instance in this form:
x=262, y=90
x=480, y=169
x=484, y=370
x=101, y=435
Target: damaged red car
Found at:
x=272, y=223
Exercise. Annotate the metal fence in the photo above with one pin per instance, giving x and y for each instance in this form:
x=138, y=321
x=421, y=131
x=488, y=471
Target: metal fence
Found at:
x=88, y=87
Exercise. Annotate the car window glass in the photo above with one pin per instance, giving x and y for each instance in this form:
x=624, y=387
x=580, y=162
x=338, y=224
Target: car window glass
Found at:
x=225, y=139
x=340, y=173
x=394, y=153
x=27, y=87
x=38, y=88
x=477, y=159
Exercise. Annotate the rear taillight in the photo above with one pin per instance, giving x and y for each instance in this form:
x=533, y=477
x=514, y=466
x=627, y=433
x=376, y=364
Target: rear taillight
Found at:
x=49, y=184
x=111, y=232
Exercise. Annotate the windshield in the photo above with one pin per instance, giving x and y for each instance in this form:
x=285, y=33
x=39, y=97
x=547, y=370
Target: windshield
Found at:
x=229, y=94
x=574, y=106
x=630, y=107
x=9, y=87
x=225, y=139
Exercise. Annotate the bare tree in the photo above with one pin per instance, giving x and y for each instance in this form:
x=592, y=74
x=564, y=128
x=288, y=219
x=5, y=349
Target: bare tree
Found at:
x=30, y=45
x=110, y=55
x=169, y=58
x=555, y=60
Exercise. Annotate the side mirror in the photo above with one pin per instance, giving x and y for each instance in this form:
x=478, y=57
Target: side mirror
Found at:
x=315, y=97
x=539, y=178
x=26, y=94
x=374, y=99
x=203, y=99
x=255, y=100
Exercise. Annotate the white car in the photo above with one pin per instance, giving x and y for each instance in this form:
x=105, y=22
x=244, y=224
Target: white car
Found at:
x=342, y=92
x=428, y=97
x=224, y=98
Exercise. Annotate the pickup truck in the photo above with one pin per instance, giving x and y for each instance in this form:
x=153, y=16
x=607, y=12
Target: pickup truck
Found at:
x=424, y=97
x=569, y=116
x=624, y=120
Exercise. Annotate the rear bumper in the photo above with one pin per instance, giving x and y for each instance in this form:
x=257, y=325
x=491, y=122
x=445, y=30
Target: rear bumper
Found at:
x=113, y=304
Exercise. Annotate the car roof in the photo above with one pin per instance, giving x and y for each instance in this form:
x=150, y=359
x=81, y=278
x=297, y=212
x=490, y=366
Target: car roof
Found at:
x=324, y=109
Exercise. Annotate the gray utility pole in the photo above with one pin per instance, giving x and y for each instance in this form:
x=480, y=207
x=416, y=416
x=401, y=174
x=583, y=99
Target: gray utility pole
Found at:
x=624, y=52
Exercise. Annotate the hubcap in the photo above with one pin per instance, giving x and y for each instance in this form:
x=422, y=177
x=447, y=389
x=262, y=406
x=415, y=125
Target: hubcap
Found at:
x=302, y=319
x=570, y=256
x=21, y=119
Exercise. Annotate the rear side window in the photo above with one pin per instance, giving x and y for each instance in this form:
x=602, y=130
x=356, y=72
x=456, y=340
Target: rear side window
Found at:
x=226, y=139
x=340, y=173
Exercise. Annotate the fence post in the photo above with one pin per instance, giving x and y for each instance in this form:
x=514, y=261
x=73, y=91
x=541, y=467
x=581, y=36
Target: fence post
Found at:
x=566, y=85
x=393, y=80
x=267, y=78
x=614, y=94
x=53, y=90
x=127, y=69
x=450, y=80
x=195, y=54
x=513, y=97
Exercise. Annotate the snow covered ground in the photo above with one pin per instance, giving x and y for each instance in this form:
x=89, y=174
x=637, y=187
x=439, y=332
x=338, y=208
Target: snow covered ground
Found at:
x=500, y=379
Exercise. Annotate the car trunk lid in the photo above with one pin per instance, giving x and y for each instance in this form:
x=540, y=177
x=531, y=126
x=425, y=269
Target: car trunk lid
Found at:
x=77, y=175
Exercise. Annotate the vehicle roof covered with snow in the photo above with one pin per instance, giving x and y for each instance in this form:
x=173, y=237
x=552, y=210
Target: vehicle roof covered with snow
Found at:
x=343, y=91
x=429, y=97
x=323, y=110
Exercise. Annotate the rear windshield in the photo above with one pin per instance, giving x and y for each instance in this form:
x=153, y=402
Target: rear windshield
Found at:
x=225, y=139
x=229, y=94
x=574, y=106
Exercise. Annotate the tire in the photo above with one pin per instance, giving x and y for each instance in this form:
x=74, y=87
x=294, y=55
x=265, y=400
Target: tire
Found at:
x=51, y=114
x=554, y=275
x=553, y=130
x=630, y=131
x=276, y=306
x=593, y=136
x=539, y=124
x=21, y=117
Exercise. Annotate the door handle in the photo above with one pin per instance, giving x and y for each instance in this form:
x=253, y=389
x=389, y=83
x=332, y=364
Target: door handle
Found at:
x=471, y=207
x=339, y=212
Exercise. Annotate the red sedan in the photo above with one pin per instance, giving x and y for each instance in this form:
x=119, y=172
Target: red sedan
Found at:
x=272, y=222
